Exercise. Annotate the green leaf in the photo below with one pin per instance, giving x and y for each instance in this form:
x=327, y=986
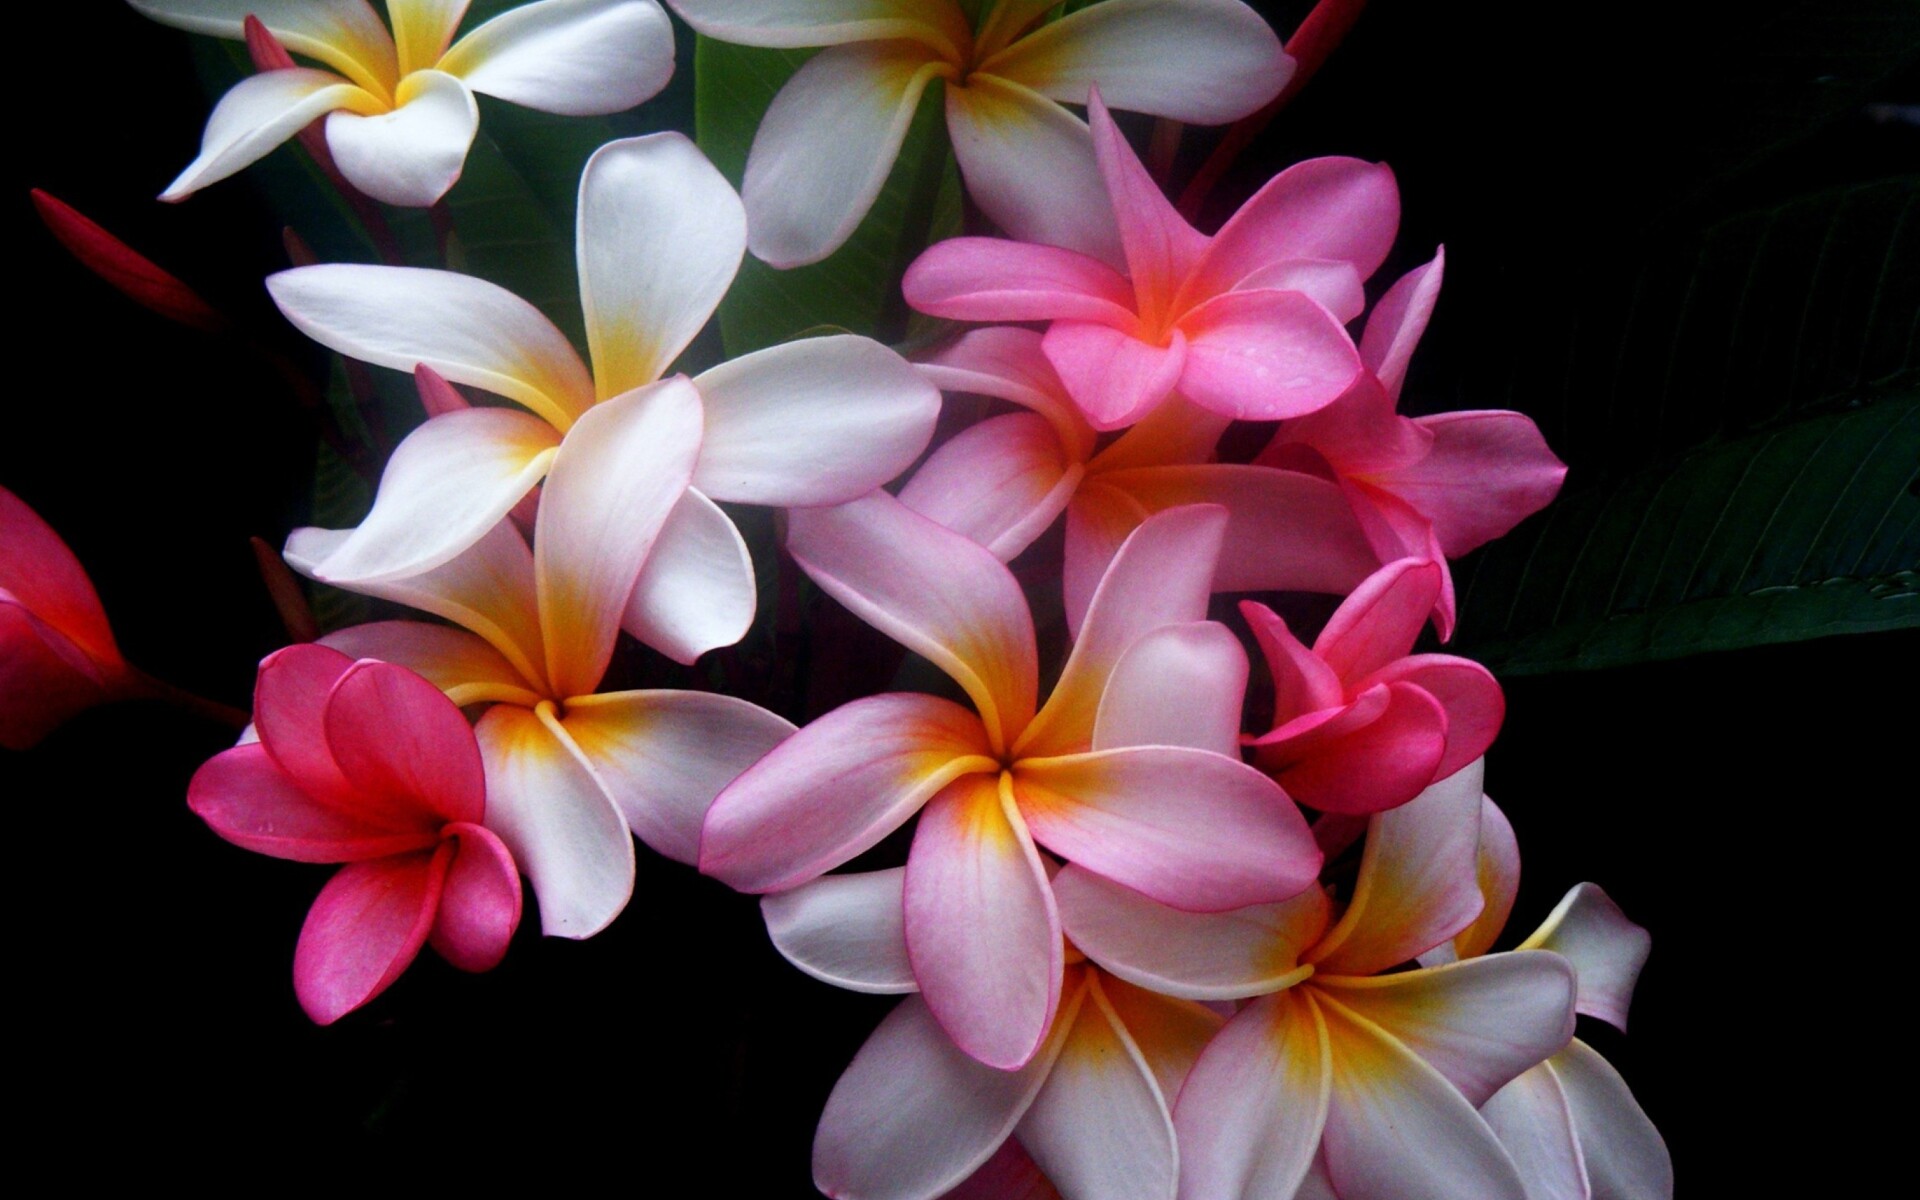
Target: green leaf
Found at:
x=1741, y=415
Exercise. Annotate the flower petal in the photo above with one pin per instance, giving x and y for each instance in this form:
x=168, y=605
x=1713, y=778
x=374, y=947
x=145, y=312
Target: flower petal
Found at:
x=793, y=24
x=1487, y=472
x=45, y=578
x=1190, y=828
x=1334, y=286
x=1606, y=949
x=837, y=787
x=1475, y=705
x=44, y=678
x=1359, y=434
x=1001, y=483
x=250, y=801
x=364, y=930
x=402, y=743
x=480, y=905
x=1161, y=248
x=259, y=113
x=1398, y=320
x=1331, y=209
x=1626, y=1157
x=423, y=29
x=1250, y=1115
x=1203, y=664
x=696, y=591
x=1531, y=1118
x=459, y=663
x=1302, y=683
x=1099, y=521
x=412, y=155
x=846, y=930
x=575, y=57
x=660, y=237
x=981, y=929
x=664, y=755
x=993, y=279
x=1170, y=1032
x=1379, y=622
x=1498, y=873
x=1009, y=363
x=468, y=330
x=345, y=34
x=824, y=420
x=289, y=714
x=1265, y=355
x=1008, y=1174
x=1363, y=764
x=999, y=130
x=557, y=820
x=1114, y=378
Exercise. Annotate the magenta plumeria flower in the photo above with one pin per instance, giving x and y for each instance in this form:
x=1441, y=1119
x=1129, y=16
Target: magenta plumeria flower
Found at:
x=1094, y=775
x=1248, y=323
x=1430, y=487
x=824, y=149
x=367, y=764
x=1361, y=724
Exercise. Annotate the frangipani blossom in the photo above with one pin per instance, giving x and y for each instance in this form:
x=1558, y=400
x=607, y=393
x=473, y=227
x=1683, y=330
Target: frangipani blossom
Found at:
x=1374, y=1074
x=1361, y=724
x=1430, y=487
x=660, y=236
x=1248, y=323
x=399, y=105
x=367, y=764
x=913, y=1116
x=823, y=150
x=1103, y=775
x=569, y=770
x=1006, y=480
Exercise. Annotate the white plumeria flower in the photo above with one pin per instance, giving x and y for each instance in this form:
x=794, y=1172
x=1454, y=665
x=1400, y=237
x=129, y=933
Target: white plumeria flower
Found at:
x=660, y=234
x=399, y=104
x=825, y=147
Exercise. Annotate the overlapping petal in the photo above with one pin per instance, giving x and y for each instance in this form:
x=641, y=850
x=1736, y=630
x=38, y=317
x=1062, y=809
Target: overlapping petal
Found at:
x=992, y=279
x=574, y=57
x=793, y=24
x=1203, y=664
x=999, y=130
x=365, y=928
x=259, y=113
x=846, y=930
x=480, y=902
x=1265, y=355
x=1606, y=949
x=347, y=35
x=696, y=590
x=402, y=744
x=412, y=154
x=1625, y=1156
x=1251, y=1113
x=1000, y=483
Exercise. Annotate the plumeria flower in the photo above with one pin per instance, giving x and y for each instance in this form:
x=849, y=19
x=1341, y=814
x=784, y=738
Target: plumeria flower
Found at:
x=399, y=105
x=1360, y=1080
x=661, y=233
x=1247, y=323
x=913, y=1116
x=367, y=764
x=1360, y=723
x=825, y=146
x=1092, y=775
x=1431, y=487
x=570, y=770
x=1571, y=1124
x=1005, y=481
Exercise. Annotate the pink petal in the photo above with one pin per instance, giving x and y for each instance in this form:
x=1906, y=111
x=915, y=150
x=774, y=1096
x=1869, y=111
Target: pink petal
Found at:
x=1203, y=664
x=664, y=755
x=1531, y=1118
x=437, y=396
x=1009, y=363
x=1010, y=1174
x=837, y=787
x=1397, y=322
x=992, y=279
x=1113, y=376
x=1606, y=949
x=1358, y=434
x=44, y=679
x=1161, y=247
x=1398, y=531
x=457, y=662
x=1250, y=1115
x=413, y=154
x=1265, y=355
x=1376, y=766
x=1625, y=1156
x=1175, y=434
x=696, y=591
x=1334, y=286
x=402, y=743
x=364, y=930
x=1468, y=691
x=580, y=59
x=846, y=930
x=1001, y=483
x=1190, y=828
x=1099, y=520
x=289, y=712
x=999, y=131
x=1302, y=682
x=45, y=579
x=933, y=591
x=1338, y=209
x=1380, y=621
x=250, y=801
x=1488, y=471
x=981, y=928
x=480, y=905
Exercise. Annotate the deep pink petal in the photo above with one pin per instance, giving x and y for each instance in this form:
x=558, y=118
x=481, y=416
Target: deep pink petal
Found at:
x=401, y=743
x=1302, y=683
x=1487, y=472
x=480, y=904
x=1161, y=247
x=992, y=279
x=1113, y=376
x=250, y=801
x=44, y=678
x=1334, y=286
x=1377, y=766
x=1339, y=209
x=364, y=930
x=1398, y=320
x=1468, y=691
x=48, y=581
x=1250, y=1115
x=1380, y=621
x=1397, y=530
x=289, y=712
x=1262, y=356
x=1011, y=1174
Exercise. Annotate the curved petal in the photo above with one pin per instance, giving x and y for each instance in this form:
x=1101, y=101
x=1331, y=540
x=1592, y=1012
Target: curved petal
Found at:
x=1378, y=765
x=1487, y=472
x=248, y=800
x=364, y=930
x=557, y=820
x=447, y=483
x=413, y=154
x=1498, y=872
x=1001, y=483
x=1161, y=248
x=825, y=147
x=1114, y=378
x=913, y=1115
x=402, y=743
x=1171, y=1033
x=846, y=930
x=1265, y=355
x=1398, y=320
x=259, y=113
x=459, y=663
x=345, y=34
x=1250, y=1115
x=575, y=57
x=1008, y=1174
x=981, y=928
x=1190, y=828
x=44, y=678
x=1531, y=1118
x=1606, y=949
x=289, y=715
x=1009, y=363
x=1202, y=664
x=664, y=755
x=468, y=330
x=1099, y=520
x=793, y=24
x=1626, y=1157
x=1302, y=683
x=1359, y=434
x=659, y=240
x=45, y=578
x=1380, y=621
x=837, y=787
x=824, y=420
x=933, y=591
x=1334, y=286
x=696, y=592
x=1199, y=956
x=1332, y=209
x=993, y=279
x=999, y=130
x=621, y=471
x=480, y=904
x=1475, y=705
x=423, y=29
x=1205, y=62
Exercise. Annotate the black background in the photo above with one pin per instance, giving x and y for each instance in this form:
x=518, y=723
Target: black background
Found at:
x=1743, y=806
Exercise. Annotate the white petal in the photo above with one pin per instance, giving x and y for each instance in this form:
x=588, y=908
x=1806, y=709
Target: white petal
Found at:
x=1250, y=1115
x=345, y=34
x=1625, y=1155
x=1531, y=1119
x=412, y=155
x=1606, y=949
x=1000, y=130
x=259, y=113
x=696, y=592
x=797, y=23
x=575, y=57
x=846, y=930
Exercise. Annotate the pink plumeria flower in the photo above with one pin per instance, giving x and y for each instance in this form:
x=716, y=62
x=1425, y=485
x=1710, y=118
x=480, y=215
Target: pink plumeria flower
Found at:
x=913, y=1116
x=1005, y=481
x=1571, y=1124
x=1095, y=776
x=399, y=105
x=661, y=234
x=1431, y=487
x=573, y=774
x=367, y=764
x=1247, y=323
x=57, y=653
x=825, y=146
x=1361, y=724
x=1344, y=1077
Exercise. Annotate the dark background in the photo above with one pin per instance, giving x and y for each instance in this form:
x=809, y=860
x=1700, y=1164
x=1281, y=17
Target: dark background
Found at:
x=1737, y=804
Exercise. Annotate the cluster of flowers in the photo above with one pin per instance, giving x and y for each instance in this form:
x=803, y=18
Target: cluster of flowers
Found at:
x=1125, y=976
